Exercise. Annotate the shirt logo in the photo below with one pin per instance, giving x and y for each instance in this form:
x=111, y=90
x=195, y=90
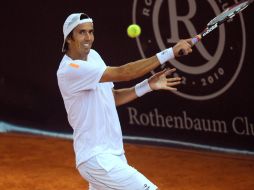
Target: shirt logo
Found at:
x=146, y=187
x=76, y=66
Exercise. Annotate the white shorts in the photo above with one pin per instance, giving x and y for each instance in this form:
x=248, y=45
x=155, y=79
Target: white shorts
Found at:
x=110, y=172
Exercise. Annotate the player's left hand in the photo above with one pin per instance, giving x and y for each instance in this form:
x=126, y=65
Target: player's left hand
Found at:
x=160, y=80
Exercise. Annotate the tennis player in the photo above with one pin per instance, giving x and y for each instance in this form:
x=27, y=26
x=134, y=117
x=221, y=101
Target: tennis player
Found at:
x=86, y=85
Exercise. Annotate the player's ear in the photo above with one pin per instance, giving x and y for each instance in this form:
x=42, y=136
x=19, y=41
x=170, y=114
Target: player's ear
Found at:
x=69, y=37
x=68, y=40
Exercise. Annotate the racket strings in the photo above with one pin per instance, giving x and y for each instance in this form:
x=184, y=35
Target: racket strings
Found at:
x=228, y=13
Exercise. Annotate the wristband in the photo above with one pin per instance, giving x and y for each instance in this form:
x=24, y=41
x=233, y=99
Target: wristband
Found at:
x=165, y=55
x=142, y=88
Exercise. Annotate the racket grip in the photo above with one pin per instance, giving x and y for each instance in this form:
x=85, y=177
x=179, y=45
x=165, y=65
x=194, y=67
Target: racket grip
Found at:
x=195, y=40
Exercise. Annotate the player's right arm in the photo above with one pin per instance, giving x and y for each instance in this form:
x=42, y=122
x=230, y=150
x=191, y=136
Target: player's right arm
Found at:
x=141, y=67
x=130, y=70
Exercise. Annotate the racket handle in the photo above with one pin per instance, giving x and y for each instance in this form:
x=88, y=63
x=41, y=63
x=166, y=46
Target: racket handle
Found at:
x=194, y=40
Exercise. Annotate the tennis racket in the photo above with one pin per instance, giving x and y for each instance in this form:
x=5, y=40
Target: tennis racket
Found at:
x=229, y=13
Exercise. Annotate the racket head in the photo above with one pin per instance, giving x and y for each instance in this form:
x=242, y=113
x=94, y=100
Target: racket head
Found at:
x=229, y=13
x=219, y=19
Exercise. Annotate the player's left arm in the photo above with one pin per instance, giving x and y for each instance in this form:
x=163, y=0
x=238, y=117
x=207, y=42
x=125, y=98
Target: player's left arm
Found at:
x=159, y=81
x=125, y=95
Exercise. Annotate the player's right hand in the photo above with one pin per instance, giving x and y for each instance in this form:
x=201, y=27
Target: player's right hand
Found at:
x=183, y=47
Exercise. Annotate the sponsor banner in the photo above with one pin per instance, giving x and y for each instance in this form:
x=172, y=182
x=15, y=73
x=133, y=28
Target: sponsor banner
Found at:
x=205, y=108
x=214, y=105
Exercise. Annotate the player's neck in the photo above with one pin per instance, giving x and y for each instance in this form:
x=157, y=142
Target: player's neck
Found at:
x=76, y=55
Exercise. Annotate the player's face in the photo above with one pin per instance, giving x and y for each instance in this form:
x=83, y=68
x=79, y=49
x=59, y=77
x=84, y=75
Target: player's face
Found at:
x=82, y=39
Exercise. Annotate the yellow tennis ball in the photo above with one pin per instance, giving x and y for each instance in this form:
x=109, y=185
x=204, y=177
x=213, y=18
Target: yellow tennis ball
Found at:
x=133, y=30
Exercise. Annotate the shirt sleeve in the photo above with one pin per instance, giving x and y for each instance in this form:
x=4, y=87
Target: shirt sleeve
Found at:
x=81, y=75
x=97, y=56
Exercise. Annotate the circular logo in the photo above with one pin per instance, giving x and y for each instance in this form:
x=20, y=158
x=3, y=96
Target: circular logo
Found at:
x=216, y=61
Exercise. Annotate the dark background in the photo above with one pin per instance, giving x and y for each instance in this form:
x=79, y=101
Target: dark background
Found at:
x=31, y=35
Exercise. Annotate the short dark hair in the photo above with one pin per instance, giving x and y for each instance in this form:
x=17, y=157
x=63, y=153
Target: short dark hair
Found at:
x=66, y=45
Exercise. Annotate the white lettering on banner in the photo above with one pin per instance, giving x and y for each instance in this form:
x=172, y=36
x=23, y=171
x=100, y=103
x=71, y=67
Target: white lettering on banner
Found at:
x=146, y=10
x=155, y=119
x=240, y=125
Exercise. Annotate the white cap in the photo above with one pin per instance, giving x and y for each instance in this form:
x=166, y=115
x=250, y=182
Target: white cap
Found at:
x=71, y=22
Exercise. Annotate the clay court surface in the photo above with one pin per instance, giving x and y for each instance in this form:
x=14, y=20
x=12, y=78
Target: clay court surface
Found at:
x=29, y=162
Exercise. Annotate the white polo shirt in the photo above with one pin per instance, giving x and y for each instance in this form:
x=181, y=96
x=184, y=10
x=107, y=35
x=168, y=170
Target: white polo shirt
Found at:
x=90, y=107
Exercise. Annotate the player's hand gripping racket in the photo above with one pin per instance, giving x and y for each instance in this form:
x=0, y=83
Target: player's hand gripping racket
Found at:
x=229, y=13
